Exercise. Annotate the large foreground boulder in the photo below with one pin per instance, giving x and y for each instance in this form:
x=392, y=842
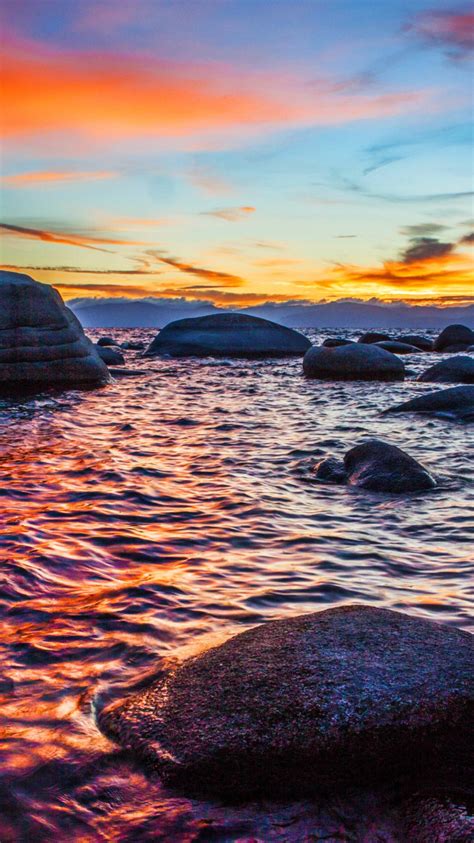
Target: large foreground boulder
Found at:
x=347, y=695
x=454, y=338
x=453, y=370
x=377, y=467
x=41, y=341
x=456, y=403
x=227, y=335
x=353, y=362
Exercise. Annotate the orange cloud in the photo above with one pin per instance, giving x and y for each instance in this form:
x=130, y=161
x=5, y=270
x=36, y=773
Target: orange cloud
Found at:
x=55, y=176
x=84, y=241
x=230, y=214
x=223, y=278
x=112, y=96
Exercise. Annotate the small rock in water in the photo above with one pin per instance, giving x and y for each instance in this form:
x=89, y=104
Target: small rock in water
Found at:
x=397, y=347
x=456, y=403
x=110, y=356
x=105, y=341
x=422, y=343
x=454, y=370
x=454, y=337
x=345, y=696
x=373, y=336
x=334, y=342
x=352, y=362
x=377, y=467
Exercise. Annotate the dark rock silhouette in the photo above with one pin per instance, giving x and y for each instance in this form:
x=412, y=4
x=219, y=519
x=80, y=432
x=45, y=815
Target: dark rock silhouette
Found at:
x=398, y=347
x=133, y=345
x=422, y=343
x=105, y=341
x=344, y=696
x=41, y=341
x=373, y=336
x=456, y=403
x=377, y=467
x=352, y=362
x=227, y=335
x=454, y=370
x=110, y=356
x=334, y=342
x=454, y=338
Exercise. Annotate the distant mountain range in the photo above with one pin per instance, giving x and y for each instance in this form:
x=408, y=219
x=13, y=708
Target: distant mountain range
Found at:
x=340, y=314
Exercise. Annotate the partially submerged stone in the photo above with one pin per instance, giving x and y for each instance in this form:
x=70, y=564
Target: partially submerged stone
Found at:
x=456, y=403
x=334, y=342
x=373, y=336
x=353, y=362
x=377, y=467
x=348, y=695
x=422, y=343
x=227, y=335
x=454, y=337
x=41, y=341
x=110, y=356
x=454, y=370
x=397, y=347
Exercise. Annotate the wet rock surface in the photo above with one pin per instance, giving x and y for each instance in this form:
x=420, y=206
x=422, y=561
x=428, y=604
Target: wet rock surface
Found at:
x=352, y=362
x=342, y=696
x=41, y=341
x=227, y=335
x=454, y=338
x=454, y=370
x=456, y=403
x=377, y=467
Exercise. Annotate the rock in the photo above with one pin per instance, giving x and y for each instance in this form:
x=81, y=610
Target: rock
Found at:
x=132, y=345
x=459, y=348
x=456, y=403
x=352, y=362
x=398, y=347
x=422, y=343
x=377, y=467
x=373, y=336
x=227, y=335
x=438, y=819
x=454, y=370
x=104, y=341
x=41, y=341
x=110, y=356
x=352, y=694
x=453, y=336
x=334, y=342
x=127, y=373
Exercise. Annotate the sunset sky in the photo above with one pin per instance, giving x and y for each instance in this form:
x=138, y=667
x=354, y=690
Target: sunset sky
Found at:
x=239, y=151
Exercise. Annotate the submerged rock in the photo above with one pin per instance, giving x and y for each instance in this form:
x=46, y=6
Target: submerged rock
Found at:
x=41, y=341
x=105, y=341
x=455, y=370
x=454, y=337
x=133, y=345
x=422, y=343
x=377, y=467
x=456, y=403
x=397, y=347
x=334, y=342
x=227, y=335
x=352, y=362
x=373, y=336
x=348, y=695
x=110, y=356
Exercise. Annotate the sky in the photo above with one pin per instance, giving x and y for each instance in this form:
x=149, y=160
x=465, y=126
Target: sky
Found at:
x=239, y=151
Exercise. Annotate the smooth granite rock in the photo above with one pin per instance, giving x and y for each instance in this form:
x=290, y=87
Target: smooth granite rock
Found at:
x=373, y=336
x=353, y=362
x=110, y=356
x=377, y=467
x=227, y=335
x=397, y=347
x=454, y=336
x=454, y=370
x=348, y=695
x=334, y=342
x=456, y=403
x=422, y=343
x=105, y=341
x=41, y=341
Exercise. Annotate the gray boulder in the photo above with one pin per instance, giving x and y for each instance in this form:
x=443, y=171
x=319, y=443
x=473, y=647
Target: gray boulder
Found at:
x=334, y=342
x=133, y=345
x=373, y=336
x=41, y=341
x=454, y=370
x=227, y=335
x=456, y=403
x=422, y=343
x=453, y=337
x=398, y=347
x=110, y=356
x=105, y=341
x=349, y=695
x=377, y=467
x=353, y=362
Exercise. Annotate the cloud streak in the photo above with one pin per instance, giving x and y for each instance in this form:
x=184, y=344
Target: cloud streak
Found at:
x=53, y=177
x=65, y=238
x=231, y=214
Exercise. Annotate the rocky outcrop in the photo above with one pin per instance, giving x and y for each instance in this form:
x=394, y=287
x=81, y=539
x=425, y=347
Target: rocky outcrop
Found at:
x=352, y=362
x=227, y=335
x=454, y=338
x=349, y=695
x=454, y=370
x=456, y=403
x=378, y=467
x=41, y=341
